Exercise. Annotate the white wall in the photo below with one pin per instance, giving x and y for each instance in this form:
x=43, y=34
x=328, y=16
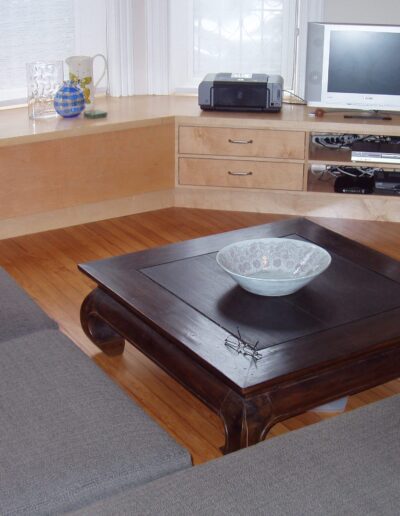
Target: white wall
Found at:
x=363, y=11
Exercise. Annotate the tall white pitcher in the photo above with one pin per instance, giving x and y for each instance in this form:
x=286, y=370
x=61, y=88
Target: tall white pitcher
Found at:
x=81, y=72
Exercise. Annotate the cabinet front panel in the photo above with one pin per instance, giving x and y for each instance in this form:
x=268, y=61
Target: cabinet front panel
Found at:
x=44, y=176
x=262, y=143
x=240, y=174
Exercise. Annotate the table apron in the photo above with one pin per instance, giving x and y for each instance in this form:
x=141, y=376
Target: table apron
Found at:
x=294, y=397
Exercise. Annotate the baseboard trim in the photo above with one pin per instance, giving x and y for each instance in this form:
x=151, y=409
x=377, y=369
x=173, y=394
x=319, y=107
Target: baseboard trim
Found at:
x=311, y=204
x=82, y=214
x=361, y=207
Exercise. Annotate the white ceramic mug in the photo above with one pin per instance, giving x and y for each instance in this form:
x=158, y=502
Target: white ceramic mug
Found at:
x=81, y=72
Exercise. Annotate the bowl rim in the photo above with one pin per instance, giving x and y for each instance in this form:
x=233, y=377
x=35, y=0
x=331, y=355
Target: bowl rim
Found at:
x=311, y=244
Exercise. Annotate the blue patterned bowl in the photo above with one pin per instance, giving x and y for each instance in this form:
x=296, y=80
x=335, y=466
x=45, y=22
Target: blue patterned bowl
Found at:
x=69, y=100
x=273, y=266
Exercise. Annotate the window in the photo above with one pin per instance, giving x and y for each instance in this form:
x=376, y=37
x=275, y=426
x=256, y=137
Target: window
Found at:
x=156, y=46
x=236, y=36
x=44, y=30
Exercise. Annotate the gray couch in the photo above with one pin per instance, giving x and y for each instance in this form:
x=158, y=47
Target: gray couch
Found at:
x=68, y=434
x=349, y=465
x=71, y=441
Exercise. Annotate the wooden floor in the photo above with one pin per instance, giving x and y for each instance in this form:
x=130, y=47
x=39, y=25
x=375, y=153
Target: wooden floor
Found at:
x=45, y=265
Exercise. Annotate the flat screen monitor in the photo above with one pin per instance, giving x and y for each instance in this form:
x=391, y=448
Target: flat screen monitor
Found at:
x=353, y=66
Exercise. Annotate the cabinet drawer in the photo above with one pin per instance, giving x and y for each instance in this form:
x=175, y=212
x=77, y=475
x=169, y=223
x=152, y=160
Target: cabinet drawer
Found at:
x=262, y=143
x=240, y=174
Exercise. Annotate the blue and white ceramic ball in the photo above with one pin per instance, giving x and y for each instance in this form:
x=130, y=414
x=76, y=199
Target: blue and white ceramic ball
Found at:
x=69, y=100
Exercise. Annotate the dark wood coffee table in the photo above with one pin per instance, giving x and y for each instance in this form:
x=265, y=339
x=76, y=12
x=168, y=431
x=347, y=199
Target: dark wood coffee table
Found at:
x=337, y=336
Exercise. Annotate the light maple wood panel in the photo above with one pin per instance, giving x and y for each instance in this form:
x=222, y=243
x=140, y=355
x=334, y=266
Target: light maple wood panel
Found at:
x=260, y=143
x=45, y=265
x=319, y=204
x=241, y=174
x=45, y=176
x=128, y=112
x=319, y=154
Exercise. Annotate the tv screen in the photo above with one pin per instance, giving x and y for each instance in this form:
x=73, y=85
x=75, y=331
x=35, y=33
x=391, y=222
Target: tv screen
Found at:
x=353, y=66
x=364, y=62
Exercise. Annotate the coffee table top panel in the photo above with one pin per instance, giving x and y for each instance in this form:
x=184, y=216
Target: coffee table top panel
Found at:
x=344, y=293
x=351, y=309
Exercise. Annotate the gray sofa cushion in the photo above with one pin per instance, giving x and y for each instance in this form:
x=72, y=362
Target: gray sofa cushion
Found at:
x=348, y=465
x=68, y=434
x=19, y=314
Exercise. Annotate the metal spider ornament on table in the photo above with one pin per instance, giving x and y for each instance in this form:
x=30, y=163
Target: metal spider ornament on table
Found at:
x=242, y=347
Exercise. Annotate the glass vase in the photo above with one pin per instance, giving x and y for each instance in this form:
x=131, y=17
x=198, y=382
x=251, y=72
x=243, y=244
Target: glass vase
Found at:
x=44, y=78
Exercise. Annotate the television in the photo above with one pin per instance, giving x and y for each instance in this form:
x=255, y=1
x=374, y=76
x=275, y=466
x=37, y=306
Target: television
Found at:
x=352, y=66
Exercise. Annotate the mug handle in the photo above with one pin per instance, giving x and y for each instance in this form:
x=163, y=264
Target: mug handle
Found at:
x=105, y=68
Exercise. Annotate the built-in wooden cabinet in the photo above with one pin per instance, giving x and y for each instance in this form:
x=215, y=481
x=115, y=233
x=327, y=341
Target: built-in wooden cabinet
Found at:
x=263, y=158
x=160, y=151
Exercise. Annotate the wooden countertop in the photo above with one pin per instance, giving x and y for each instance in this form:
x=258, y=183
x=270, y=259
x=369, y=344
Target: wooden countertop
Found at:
x=123, y=113
x=128, y=112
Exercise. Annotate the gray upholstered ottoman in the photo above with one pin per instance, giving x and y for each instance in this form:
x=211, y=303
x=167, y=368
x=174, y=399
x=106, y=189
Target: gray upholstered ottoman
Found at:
x=68, y=435
x=349, y=465
x=19, y=314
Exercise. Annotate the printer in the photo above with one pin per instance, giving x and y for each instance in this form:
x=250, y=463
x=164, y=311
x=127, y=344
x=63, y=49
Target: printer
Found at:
x=241, y=92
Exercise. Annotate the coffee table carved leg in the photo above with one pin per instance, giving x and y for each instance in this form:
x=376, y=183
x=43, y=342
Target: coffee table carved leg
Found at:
x=97, y=329
x=246, y=421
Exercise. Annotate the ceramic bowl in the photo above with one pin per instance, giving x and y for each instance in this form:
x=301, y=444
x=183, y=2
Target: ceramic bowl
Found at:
x=273, y=266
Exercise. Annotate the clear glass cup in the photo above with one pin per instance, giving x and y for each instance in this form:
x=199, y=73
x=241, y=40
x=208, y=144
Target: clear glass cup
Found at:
x=44, y=78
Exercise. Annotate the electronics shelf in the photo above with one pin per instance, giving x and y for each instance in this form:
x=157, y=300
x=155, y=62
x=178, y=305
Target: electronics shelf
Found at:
x=318, y=155
x=335, y=150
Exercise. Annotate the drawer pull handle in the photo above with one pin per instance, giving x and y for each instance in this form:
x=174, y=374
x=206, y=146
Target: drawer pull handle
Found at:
x=240, y=173
x=242, y=142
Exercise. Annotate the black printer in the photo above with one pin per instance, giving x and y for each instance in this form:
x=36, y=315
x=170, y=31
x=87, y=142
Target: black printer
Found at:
x=241, y=92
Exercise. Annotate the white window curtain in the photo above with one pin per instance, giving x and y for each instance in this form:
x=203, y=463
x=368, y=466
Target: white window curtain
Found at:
x=137, y=47
x=120, y=46
x=235, y=35
x=238, y=36
x=158, y=46
x=167, y=46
